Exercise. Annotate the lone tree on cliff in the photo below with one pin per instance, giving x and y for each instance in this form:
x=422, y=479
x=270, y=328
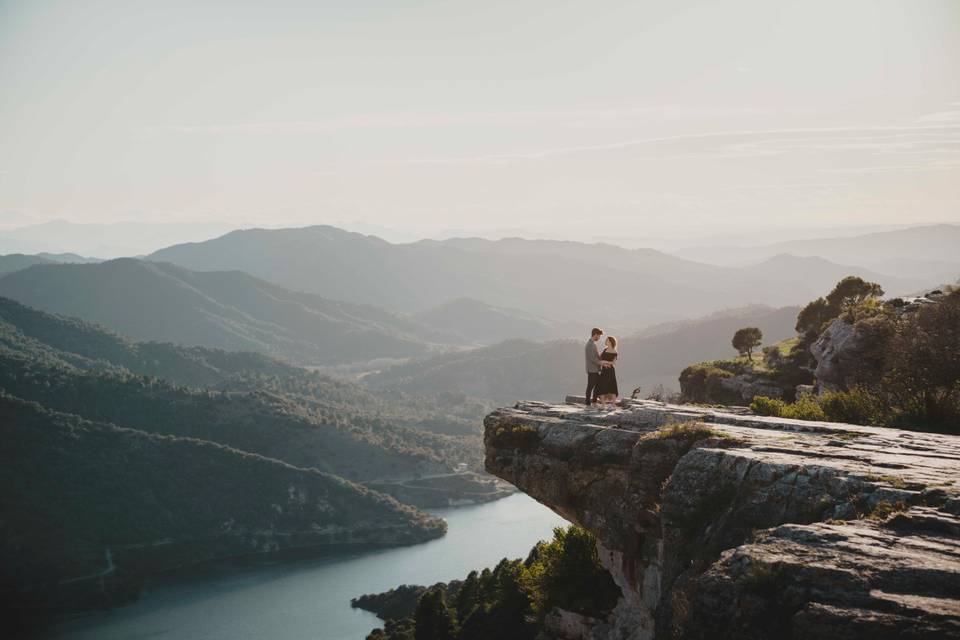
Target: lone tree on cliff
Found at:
x=746, y=340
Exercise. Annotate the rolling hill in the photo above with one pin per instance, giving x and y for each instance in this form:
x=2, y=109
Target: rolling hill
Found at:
x=228, y=310
x=521, y=369
x=243, y=400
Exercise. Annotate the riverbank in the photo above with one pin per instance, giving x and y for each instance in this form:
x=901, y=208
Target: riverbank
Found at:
x=310, y=599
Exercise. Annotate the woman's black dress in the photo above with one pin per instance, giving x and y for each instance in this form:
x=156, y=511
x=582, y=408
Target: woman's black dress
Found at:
x=608, y=376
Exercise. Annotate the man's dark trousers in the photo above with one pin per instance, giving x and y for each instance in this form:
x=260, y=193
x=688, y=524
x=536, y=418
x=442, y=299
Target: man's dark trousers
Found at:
x=592, y=380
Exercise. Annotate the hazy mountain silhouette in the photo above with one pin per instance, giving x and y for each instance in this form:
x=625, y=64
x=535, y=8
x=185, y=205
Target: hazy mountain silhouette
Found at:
x=69, y=258
x=812, y=275
x=546, y=371
x=924, y=247
x=473, y=321
x=558, y=280
x=229, y=310
x=17, y=261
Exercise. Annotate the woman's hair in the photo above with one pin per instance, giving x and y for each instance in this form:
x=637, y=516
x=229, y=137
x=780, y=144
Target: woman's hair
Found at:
x=612, y=342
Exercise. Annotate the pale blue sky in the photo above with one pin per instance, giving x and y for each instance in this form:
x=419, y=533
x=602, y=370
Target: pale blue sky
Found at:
x=542, y=117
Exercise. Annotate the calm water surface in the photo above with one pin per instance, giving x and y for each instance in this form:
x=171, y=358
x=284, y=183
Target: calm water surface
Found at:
x=311, y=599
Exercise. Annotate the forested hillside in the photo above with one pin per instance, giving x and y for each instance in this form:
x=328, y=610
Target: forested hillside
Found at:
x=98, y=507
x=228, y=310
x=84, y=405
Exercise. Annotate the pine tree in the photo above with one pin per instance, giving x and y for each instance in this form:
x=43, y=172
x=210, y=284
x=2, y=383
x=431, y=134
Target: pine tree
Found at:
x=434, y=619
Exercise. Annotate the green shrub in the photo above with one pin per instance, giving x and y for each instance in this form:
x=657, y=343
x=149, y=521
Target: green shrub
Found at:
x=856, y=406
x=688, y=430
x=805, y=408
x=764, y=406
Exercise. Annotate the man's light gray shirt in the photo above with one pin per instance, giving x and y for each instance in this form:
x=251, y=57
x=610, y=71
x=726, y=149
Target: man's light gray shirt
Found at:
x=593, y=357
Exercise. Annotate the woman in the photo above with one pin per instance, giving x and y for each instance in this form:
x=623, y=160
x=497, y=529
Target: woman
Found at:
x=607, y=391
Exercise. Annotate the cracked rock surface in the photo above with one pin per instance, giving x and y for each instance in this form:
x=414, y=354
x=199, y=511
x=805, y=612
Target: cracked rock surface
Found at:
x=742, y=526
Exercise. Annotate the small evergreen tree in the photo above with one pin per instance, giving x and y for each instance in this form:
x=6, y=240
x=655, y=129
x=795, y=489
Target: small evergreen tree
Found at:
x=467, y=596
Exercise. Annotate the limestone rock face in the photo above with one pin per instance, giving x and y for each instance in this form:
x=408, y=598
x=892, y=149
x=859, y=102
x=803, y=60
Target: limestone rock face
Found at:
x=835, y=350
x=741, y=526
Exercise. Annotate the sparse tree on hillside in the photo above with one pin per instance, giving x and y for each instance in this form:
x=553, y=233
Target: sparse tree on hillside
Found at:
x=746, y=340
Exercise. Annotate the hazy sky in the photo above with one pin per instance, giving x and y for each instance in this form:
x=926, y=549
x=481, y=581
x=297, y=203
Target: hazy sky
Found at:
x=628, y=118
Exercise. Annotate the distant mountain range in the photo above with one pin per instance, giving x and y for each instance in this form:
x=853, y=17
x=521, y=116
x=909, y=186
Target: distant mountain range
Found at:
x=228, y=310
x=520, y=369
x=17, y=261
x=931, y=251
x=562, y=281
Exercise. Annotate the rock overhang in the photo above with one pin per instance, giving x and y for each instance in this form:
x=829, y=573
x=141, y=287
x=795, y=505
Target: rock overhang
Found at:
x=674, y=508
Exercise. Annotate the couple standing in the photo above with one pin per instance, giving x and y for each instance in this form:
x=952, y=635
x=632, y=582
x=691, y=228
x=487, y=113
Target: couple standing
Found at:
x=601, y=374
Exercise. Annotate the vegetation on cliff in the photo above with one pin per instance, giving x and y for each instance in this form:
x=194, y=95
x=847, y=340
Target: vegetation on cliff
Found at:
x=510, y=601
x=893, y=362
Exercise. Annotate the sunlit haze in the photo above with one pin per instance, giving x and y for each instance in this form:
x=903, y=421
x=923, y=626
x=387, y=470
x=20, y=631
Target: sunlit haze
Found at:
x=581, y=120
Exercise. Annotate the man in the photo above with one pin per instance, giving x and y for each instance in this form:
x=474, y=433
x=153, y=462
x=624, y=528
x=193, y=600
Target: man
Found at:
x=593, y=365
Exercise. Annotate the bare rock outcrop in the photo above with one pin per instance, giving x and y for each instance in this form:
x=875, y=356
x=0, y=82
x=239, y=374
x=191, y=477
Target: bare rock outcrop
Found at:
x=723, y=525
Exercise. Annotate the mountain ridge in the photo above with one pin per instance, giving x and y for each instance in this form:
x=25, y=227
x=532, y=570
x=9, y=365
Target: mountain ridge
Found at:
x=229, y=310
x=609, y=284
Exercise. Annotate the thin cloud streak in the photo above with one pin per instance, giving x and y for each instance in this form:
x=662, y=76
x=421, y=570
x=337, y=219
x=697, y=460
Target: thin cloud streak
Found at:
x=404, y=121
x=626, y=144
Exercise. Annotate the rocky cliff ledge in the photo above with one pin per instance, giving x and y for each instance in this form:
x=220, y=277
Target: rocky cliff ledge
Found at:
x=719, y=525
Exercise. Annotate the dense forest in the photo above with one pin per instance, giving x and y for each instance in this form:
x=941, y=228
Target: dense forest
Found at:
x=510, y=601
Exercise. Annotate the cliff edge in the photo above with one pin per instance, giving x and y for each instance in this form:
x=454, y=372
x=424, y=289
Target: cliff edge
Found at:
x=723, y=525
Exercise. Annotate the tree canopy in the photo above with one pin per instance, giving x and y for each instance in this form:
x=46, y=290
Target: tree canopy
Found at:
x=746, y=340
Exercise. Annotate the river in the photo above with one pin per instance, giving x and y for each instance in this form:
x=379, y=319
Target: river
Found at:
x=311, y=599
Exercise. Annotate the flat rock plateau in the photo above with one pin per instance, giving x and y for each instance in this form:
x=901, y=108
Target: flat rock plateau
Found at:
x=719, y=524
